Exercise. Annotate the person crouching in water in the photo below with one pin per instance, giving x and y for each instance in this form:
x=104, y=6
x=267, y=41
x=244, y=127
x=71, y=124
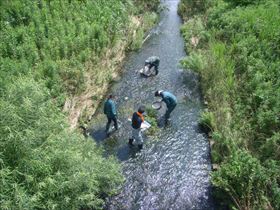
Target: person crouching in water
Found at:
x=111, y=113
x=169, y=99
x=137, y=119
x=151, y=62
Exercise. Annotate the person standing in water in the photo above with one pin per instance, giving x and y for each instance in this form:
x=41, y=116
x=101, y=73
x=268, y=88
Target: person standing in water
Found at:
x=137, y=120
x=111, y=113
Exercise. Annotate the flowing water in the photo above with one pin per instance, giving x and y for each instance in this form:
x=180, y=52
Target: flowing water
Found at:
x=172, y=170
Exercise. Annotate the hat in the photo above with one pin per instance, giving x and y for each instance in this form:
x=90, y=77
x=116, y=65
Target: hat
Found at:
x=158, y=92
x=147, y=62
x=141, y=109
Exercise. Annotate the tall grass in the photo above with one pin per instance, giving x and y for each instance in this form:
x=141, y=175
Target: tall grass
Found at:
x=237, y=57
x=65, y=32
x=43, y=165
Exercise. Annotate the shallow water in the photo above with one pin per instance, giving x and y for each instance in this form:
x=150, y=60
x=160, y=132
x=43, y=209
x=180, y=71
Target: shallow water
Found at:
x=172, y=170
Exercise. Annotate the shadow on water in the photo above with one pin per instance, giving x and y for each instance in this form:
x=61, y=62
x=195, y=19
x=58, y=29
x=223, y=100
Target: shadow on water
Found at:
x=99, y=135
x=114, y=144
x=172, y=170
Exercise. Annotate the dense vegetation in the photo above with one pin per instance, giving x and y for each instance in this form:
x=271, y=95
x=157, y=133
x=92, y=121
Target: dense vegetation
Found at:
x=45, y=51
x=235, y=46
x=43, y=166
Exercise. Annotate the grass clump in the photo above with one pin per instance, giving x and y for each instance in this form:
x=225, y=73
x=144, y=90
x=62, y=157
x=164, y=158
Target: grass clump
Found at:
x=206, y=121
x=148, y=20
x=152, y=119
x=137, y=39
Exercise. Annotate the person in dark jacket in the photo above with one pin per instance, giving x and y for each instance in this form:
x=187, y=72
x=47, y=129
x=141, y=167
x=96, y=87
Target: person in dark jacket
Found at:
x=169, y=99
x=111, y=113
x=151, y=62
x=137, y=120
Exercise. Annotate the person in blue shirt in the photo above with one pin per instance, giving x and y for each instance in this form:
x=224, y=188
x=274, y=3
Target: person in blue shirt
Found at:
x=111, y=113
x=169, y=99
x=137, y=120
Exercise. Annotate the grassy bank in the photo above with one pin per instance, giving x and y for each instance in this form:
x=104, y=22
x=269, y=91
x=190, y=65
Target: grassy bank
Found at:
x=234, y=45
x=59, y=55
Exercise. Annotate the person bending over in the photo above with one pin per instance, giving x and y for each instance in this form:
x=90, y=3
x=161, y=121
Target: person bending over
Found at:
x=151, y=62
x=169, y=99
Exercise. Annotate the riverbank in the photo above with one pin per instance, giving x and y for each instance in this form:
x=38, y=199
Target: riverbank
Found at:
x=232, y=46
x=106, y=69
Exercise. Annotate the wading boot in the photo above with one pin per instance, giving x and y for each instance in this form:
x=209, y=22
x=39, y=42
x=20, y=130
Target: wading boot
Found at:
x=107, y=133
x=140, y=146
x=130, y=141
x=167, y=121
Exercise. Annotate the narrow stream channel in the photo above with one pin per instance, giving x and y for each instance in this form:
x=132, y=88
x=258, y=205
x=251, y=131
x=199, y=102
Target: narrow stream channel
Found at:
x=172, y=170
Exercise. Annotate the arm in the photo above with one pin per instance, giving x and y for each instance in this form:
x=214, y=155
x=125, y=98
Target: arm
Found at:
x=165, y=98
x=114, y=110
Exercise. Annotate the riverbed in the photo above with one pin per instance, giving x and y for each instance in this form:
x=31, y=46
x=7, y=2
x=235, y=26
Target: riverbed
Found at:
x=172, y=171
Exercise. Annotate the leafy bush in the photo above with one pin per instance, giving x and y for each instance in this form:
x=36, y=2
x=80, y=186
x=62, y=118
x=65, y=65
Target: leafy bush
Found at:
x=144, y=6
x=244, y=179
x=188, y=8
x=149, y=20
x=194, y=61
x=223, y=146
x=195, y=34
x=42, y=164
x=239, y=69
x=271, y=147
x=243, y=2
x=138, y=39
x=206, y=120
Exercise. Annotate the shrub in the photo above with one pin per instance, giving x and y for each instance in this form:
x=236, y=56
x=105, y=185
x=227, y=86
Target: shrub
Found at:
x=194, y=62
x=271, y=147
x=206, y=121
x=42, y=164
x=137, y=40
x=239, y=79
x=244, y=179
x=195, y=34
x=192, y=7
x=144, y=5
x=243, y=2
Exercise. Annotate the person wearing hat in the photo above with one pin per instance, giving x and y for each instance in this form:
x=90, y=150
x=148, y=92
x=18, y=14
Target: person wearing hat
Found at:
x=111, y=113
x=137, y=120
x=151, y=62
x=169, y=99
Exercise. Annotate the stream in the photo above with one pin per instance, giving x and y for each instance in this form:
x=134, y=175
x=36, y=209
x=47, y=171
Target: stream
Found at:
x=172, y=170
